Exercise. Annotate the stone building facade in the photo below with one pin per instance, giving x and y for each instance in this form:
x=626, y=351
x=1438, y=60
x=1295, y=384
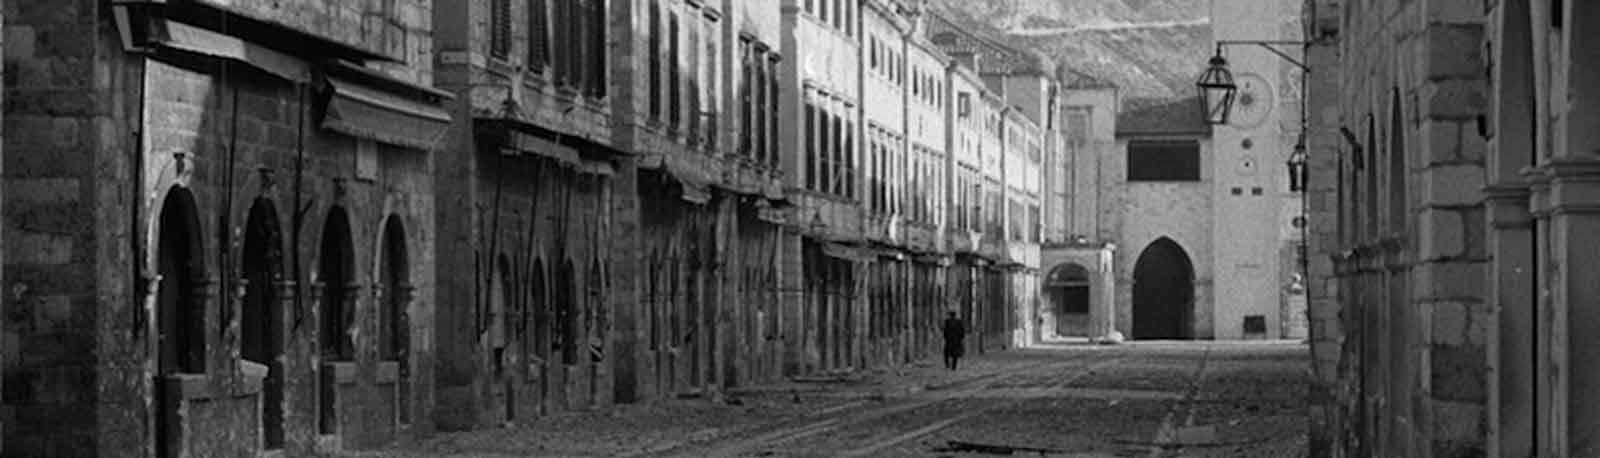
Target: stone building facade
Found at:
x=1199, y=222
x=229, y=211
x=1463, y=230
x=289, y=228
x=528, y=272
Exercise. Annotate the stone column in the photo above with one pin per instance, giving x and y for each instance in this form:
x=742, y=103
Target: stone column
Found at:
x=1510, y=235
x=1548, y=407
x=1575, y=251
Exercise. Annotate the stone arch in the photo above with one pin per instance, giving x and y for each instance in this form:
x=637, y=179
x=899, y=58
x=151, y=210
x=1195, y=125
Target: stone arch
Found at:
x=1163, y=292
x=262, y=315
x=394, y=327
x=335, y=290
x=1069, y=293
x=537, y=319
x=182, y=293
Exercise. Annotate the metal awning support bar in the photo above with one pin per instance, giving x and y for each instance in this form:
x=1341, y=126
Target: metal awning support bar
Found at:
x=1269, y=45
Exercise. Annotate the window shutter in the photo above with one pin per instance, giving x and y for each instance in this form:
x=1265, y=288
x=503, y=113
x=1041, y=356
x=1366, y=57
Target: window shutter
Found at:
x=500, y=28
x=597, y=77
x=538, y=35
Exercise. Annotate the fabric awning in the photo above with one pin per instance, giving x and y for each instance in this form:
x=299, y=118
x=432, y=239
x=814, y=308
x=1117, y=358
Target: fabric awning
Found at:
x=364, y=112
x=847, y=252
x=525, y=143
x=935, y=259
x=692, y=182
x=187, y=38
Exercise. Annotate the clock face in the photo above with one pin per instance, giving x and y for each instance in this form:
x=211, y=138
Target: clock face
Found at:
x=1253, y=101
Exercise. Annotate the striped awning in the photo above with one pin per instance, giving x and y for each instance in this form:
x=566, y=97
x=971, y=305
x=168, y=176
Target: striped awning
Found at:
x=364, y=112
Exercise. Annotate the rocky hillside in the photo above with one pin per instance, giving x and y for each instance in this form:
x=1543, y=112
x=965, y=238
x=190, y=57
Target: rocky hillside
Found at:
x=1152, y=49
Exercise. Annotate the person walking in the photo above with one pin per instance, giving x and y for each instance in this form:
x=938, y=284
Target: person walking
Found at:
x=954, y=332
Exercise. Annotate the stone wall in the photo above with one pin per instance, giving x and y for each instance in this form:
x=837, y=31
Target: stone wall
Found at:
x=66, y=190
x=110, y=137
x=1410, y=184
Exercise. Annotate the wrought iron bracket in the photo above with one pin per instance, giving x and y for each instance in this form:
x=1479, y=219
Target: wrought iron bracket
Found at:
x=1271, y=46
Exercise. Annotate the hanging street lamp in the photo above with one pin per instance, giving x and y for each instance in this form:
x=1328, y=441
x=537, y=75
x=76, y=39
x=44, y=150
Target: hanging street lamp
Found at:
x=1217, y=90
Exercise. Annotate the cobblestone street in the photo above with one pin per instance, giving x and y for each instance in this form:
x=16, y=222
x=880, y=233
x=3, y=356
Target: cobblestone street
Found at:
x=1143, y=399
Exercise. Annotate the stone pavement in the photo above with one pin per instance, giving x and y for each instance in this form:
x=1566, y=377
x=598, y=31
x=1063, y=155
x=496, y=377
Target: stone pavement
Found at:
x=1146, y=400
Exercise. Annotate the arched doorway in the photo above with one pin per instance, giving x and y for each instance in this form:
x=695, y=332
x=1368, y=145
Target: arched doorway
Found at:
x=335, y=267
x=536, y=322
x=180, y=314
x=1068, y=290
x=500, y=297
x=1163, y=292
x=395, y=330
x=261, y=322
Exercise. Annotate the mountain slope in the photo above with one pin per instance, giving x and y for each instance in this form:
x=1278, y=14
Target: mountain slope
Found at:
x=1149, y=48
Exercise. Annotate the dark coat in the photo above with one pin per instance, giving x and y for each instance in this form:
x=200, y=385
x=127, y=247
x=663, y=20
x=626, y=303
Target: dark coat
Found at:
x=954, y=332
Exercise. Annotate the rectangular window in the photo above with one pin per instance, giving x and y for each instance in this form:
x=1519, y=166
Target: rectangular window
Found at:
x=597, y=55
x=774, y=104
x=655, y=60
x=831, y=133
x=538, y=35
x=849, y=159
x=1078, y=119
x=1163, y=160
x=674, y=73
x=500, y=29
x=747, y=108
x=561, y=22
x=712, y=106
x=812, y=163
x=692, y=53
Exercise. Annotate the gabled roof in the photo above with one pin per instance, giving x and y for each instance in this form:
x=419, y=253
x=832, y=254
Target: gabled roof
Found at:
x=996, y=57
x=1161, y=117
x=1073, y=79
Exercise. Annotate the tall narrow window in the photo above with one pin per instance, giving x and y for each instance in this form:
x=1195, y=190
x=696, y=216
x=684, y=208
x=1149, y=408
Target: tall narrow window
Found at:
x=825, y=149
x=1398, y=211
x=692, y=52
x=746, y=97
x=836, y=141
x=500, y=28
x=849, y=159
x=655, y=59
x=538, y=35
x=562, y=29
x=597, y=44
x=712, y=80
x=809, y=138
x=774, y=105
x=674, y=73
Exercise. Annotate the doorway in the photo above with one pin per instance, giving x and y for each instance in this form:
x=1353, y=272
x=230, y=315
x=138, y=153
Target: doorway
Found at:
x=1068, y=290
x=261, y=322
x=180, y=316
x=395, y=343
x=1163, y=292
x=336, y=267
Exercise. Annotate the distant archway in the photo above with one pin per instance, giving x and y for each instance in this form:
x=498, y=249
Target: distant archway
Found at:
x=1068, y=290
x=261, y=320
x=1163, y=292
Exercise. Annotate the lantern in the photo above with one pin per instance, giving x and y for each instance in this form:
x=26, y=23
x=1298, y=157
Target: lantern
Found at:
x=1216, y=91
